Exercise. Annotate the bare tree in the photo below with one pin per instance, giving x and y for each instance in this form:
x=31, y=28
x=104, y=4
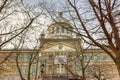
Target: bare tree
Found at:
x=16, y=18
x=104, y=13
x=96, y=21
x=28, y=62
x=87, y=64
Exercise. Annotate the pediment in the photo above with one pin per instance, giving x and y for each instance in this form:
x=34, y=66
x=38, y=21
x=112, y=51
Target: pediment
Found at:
x=59, y=47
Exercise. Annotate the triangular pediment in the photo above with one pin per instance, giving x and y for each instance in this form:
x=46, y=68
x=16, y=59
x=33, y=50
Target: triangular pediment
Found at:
x=59, y=47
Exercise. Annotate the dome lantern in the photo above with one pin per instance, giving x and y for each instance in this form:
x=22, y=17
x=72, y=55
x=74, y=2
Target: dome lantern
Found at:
x=42, y=35
x=60, y=14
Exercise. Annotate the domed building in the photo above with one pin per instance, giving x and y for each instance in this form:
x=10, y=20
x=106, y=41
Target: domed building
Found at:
x=58, y=49
x=62, y=56
x=59, y=57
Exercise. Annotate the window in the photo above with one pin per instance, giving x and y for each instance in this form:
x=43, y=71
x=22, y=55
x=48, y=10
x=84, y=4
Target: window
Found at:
x=26, y=69
x=77, y=68
x=36, y=58
x=92, y=57
x=50, y=57
x=93, y=69
x=50, y=67
x=98, y=56
x=100, y=69
x=33, y=69
x=28, y=57
x=57, y=29
x=104, y=57
x=62, y=66
x=85, y=57
x=22, y=57
x=43, y=58
x=62, y=30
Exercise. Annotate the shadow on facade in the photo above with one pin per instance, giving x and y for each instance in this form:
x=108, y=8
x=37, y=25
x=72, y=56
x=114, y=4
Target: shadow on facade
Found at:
x=59, y=78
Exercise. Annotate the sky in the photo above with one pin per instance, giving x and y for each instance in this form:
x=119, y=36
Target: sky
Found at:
x=31, y=1
x=55, y=5
x=58, y=5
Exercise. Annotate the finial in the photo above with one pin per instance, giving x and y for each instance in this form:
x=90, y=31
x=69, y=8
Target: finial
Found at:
x=60, y=14
x=42, y=34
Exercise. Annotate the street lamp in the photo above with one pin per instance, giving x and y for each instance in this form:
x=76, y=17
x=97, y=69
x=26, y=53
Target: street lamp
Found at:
x=42, y=70
x=37, y=67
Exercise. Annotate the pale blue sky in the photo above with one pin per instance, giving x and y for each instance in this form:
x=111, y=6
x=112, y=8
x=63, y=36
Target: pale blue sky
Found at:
x=58, y=4
x=31, y=1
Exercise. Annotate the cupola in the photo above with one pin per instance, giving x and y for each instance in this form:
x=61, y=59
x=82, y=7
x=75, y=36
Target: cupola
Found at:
x=60, y=27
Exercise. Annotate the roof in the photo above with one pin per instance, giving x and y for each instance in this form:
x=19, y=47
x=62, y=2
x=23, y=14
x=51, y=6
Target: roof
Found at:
x=60, y=19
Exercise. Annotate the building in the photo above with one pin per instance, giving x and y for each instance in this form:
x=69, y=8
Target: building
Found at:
x=60, y=56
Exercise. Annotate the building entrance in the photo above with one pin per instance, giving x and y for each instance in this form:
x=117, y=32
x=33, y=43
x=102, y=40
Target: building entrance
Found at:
x=60, y=69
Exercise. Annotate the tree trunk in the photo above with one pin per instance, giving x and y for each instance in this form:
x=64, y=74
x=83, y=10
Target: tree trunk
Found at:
x=83, y=74
x=98, y=78
x=19, y=70
x=29, y=71
x=118, y=65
